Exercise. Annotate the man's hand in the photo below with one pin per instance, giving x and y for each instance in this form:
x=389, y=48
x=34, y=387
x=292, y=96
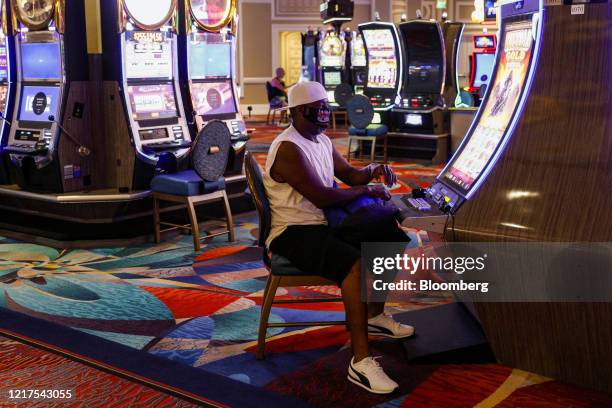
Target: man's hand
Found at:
x=377, y=192
x=385, y=172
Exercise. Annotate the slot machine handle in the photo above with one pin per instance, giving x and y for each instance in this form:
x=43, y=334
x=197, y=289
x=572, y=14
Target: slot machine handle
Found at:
x=82, y=150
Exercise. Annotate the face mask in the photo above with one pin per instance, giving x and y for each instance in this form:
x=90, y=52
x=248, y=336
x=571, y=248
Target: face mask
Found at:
x=317, y=116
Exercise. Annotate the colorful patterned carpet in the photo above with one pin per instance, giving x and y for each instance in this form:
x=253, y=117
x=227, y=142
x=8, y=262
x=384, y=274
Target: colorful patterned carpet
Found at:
x=200, y=311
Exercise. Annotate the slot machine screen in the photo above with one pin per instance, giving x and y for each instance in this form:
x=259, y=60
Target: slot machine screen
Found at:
x=148, y=55
x=309, y=61
x=38, y=102
x=382, y=58
x=332, y=51
x=210, y=56
x=151, y=102
x=358, y=54
x=500, y=106
x=41, y=60
x=489, y=10
x=484, y=68
x=3, y=59
x=425, y=56
x=213, y=98
x=484, y=41
x=332, y=78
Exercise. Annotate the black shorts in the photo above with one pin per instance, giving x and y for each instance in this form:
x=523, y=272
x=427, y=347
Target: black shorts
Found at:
x=331, y=252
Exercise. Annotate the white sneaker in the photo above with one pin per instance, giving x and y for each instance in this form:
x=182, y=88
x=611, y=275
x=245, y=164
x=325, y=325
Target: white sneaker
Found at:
x=384, y=325
x=369, y=374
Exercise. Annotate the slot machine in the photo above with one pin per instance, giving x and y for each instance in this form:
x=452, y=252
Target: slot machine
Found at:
x=421, y=107
x=453, y=32
x=332, y=53
x=358, y=68
x=207, y=49
x=384, y=64
x=50, y=132
x=6, y=82
x=142, y=96
x=482, y=62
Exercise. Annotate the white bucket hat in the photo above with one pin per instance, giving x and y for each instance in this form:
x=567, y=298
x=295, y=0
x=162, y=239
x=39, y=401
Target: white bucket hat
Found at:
x=306, y=92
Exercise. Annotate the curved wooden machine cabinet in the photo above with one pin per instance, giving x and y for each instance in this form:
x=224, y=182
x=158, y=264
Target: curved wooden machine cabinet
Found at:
x=207, y=61
x=48, y=145
x=554, y=183
x=536, y=166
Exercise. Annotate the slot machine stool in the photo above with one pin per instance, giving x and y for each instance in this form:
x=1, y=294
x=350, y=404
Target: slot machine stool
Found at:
x=360, y=113
x=202, y=184
x=342, y=94
x=282, y=272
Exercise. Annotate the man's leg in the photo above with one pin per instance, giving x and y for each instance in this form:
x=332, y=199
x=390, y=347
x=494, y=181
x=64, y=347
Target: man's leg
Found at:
x=356, y=312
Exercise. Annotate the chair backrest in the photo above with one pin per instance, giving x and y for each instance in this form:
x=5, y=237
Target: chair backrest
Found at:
x=254, y=178
x=360, y=111
x=269, y=91
x=211, y=150
x=342, y=94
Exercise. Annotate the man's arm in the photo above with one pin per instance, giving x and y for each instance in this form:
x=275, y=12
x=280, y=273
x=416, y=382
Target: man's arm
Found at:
x=292, y=167
x=358, y=177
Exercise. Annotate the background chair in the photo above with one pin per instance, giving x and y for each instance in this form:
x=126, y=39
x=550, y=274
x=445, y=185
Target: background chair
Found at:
x=202, y=184
x=275, y=104
x=342, y=94
x=282, y=272
x=360, y=114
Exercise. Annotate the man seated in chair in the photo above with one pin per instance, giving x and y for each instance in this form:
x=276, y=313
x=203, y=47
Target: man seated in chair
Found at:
x=299, y=181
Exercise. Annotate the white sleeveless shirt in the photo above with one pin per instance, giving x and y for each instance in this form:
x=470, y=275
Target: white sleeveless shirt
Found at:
x=287, y=205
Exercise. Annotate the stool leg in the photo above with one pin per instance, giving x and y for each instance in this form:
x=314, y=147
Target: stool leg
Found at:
x=268, y=117
x=195, y=228
x=266, y=306
x=156, y=219
x=228, y=217
x=334, y=120
x=373, y=151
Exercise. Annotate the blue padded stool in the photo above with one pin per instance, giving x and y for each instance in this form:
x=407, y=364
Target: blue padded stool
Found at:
x=203, y=184
x=360, y=113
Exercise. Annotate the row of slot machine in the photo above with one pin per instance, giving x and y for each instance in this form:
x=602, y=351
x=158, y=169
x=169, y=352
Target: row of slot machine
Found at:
x=409, y=71
x=166, y=69
x=334, y=58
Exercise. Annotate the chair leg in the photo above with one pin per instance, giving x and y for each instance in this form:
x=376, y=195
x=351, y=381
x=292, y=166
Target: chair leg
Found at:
x=348, y=153
x=373, y=151
x=333, y=120
x=156, y=219
x=228, y=217
x=195, y=228
x=386, y=157
x=266, y=306
x=268, y=117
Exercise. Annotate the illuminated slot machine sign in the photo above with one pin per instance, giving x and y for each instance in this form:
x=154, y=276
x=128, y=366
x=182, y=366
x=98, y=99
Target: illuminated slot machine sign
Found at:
x=499, y=112
x=148, y=54
x=382, y=62
x=332, y=51
x=358, y=54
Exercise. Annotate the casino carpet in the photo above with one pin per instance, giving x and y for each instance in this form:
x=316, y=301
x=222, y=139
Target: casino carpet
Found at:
x=200, y=311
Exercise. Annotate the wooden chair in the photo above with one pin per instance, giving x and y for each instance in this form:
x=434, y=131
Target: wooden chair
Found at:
x=282, y=272
x=361, y=113
x=192, y=187
x=275, y=106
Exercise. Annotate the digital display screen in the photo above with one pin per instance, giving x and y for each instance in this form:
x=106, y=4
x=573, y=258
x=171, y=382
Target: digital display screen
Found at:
x=152, y=101
x=484, y=41
x=331, y=98
x=332, y=51
x=358, y=54
x=425, y=57
x=41, y=60
x=382, y=58
x=148, y=54
x=484, y=68
x=332, y=78
x=499, y=108
x=210, y=56
x=489, y=10
x=3, y=59
x=3, y=95
x=213, y=98
x=309, y=60
x=38, y=102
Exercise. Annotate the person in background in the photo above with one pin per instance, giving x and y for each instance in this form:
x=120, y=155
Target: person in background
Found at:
x=279, y=88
